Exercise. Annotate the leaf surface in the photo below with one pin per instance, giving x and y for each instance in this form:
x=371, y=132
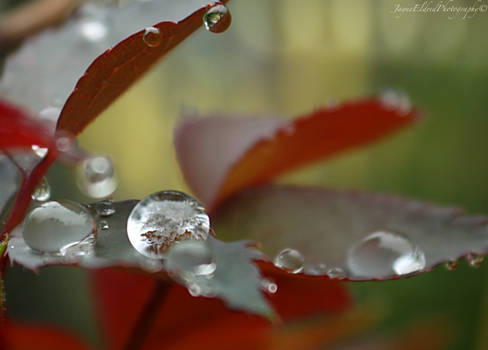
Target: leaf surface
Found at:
x=366, y=236
x=113, y=72
x=220, y=156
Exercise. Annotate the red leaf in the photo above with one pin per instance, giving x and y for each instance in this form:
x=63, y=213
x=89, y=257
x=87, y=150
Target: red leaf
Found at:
x=118, y=68
x=181, y=315
x=221, y=156
x=19, y=130
x=36, y=337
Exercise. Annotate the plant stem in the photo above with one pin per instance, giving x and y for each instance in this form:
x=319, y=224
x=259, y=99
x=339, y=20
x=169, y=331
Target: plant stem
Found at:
x=147, y=316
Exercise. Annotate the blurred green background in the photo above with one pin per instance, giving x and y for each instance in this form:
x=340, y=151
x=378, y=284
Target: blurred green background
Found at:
x=288, y=57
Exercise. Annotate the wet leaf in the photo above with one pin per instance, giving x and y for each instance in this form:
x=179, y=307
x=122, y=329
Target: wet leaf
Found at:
x=40, y=337
x=118, y=68
x=221, y=156
x=236, y=280
x=365, y=236
x=19, y=130
x=182, y=317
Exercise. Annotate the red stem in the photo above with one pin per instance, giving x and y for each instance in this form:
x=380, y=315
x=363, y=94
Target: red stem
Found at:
x=147, y=316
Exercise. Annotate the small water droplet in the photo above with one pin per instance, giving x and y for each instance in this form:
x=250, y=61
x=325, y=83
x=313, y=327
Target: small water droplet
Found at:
x=384, y=253
x=217, y=19
x=103, y=225
x=336, y=272
x=55, y=225
x=317, y=269
x=152, y=37
x=396, y=100
x=93, y=30
x=269, y=286
x=64, y=144
x=452, y=265
x=104, y=208
x=42, y=192
x=290, y=259
x=189, y=259
x=163, y=218
x=96, y=176
x=475, y=260
x=39, y=151
x=194, y=290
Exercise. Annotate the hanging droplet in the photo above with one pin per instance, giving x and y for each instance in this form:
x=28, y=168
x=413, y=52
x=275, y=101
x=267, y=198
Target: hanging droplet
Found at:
x=290, y=259
x=452, y=265
x=336, y=272
x=163, y=218
x=53, y=226
x=217, y=19
x=104, y=208
x=103, y=225
x=384, y=253
x=39, y=151
x=317, y=269
x=96, y=176
x=475, y=260
x=42, y=192
x=269, y=286
x=188, y=259
x=152, y=36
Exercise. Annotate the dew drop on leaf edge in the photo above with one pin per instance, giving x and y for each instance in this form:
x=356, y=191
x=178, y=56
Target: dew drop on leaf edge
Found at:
x=152, y=36
x=217, y=19
x=475, y=260
x=96, y=177
x=163, y=218
x=55, y=225
x=384, y=253
x=290, y=260
x=42, y=192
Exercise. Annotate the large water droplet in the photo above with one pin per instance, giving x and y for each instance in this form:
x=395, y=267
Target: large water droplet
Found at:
x=164, y=218
x=189, y=259
x=290, y=259
x=152, y=37
x=53, y=226
x=42, y=192
x=217, y=19
x=96, y=177
x=384, y=253
x=475, y=260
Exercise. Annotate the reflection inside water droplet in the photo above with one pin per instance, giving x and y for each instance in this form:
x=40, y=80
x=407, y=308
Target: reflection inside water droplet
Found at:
x=152, y=37
x=161, y=219
x=290, y=259
x=217, y=19
x=42, y=192
x=96, y=178
x=55, y=225
x=384, y=253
